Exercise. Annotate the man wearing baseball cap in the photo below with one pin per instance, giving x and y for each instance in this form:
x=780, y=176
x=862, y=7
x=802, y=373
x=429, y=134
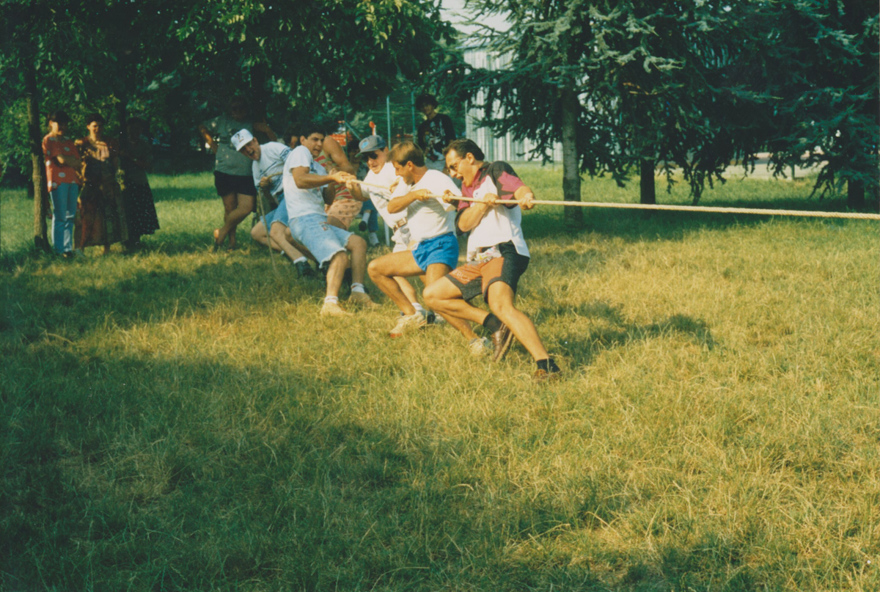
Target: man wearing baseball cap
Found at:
x=272, y=228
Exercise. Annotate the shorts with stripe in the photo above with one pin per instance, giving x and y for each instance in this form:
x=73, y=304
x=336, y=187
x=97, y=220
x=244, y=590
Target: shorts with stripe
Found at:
x=475, y=278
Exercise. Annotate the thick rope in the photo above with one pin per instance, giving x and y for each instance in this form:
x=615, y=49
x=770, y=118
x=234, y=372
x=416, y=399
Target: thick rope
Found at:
x=663, y=207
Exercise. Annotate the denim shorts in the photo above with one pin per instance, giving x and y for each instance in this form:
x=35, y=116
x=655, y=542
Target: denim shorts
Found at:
x=279, y=214
x=319, y=237
x=440, y=249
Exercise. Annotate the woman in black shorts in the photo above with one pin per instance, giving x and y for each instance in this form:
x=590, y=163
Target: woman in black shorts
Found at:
x=233, y=177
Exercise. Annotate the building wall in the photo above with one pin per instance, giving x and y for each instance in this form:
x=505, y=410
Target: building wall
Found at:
x=496, y=148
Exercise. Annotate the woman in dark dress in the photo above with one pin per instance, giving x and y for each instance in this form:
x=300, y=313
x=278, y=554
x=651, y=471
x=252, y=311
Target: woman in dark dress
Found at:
x=137, y=161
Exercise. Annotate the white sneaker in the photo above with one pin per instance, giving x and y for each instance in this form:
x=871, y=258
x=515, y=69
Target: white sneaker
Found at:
x=332, y=309
x=480, y=346
x=407, y=323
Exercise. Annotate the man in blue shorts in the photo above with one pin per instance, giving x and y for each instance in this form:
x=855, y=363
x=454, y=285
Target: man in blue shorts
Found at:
x=433, y=246
x=306, y=191
x=497, y=256
x=272, y=228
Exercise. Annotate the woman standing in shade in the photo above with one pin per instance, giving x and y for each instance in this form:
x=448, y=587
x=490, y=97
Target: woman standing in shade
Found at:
x=137, y=160
x=232, y=170
x=102, y=214
x=62, y=171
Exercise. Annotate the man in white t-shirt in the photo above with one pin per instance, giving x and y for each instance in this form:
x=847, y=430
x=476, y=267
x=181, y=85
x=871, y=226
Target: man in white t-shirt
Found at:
x=267, y=169
x=374, y=151
x=433, y=246
x=497, y=257
x=306, y=191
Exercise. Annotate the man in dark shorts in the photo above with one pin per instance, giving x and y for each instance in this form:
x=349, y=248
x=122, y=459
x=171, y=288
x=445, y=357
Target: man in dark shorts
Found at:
x=497, y=256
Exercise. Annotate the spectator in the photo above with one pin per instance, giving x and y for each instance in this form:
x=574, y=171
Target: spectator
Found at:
x=137, y=161
x=433, y=134
x=62, y=171
x=102, y=214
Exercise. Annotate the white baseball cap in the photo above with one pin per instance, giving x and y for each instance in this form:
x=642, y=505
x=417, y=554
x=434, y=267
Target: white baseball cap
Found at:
x=241, y=138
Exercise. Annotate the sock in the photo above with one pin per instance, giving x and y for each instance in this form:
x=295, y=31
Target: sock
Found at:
x=418, y=307
x=492, y=323
x=301, y=260
x=331, y=300
x=548, y=365
x=358, y=288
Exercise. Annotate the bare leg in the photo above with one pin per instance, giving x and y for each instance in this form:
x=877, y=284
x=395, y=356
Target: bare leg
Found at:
x=335, y=272
x=385, y=269
x=357, y=246
x=501, y=303
x=334, y=221
x=444, y=298
x=279, y=240
x=407, y=288
x=243, y=206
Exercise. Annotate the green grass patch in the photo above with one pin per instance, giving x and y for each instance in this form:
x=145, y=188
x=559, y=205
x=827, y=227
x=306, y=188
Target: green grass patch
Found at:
x=175, y=419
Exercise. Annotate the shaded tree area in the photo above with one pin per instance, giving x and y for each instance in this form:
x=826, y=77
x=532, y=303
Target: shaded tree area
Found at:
x=635, y=86
x=176, y=63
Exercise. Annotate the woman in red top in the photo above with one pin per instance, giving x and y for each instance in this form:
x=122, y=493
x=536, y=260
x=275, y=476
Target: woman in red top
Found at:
x=102, y=217
x=62, y=166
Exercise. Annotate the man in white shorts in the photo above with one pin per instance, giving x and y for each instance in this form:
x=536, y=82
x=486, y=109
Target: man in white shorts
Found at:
x=304, y=182
x=433, y=246
x=267, y=168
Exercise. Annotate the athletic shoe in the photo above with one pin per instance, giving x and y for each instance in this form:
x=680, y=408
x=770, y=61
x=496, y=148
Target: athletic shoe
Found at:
x=501, y=340
x=408, y=323
x=479, y=347
x=435, y=319
x=361, y=299
x=332, y=309
x=304, y=270
x=551, y=374
x=373, y=239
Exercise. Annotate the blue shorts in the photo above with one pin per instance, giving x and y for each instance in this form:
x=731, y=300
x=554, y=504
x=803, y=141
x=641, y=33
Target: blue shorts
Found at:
x=440, y=249
x=322, y=239
x=279, y=214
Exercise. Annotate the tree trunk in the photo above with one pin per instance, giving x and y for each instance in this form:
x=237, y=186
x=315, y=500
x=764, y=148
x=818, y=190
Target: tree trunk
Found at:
x=41, y=197
x=647, y=192
x=571, y=178
x=855, y=195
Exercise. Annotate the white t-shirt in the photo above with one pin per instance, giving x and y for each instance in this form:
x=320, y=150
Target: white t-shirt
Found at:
x=272, y=157
x=301, y=202
x=432, y=217
x=500, y=224
x=380, y=199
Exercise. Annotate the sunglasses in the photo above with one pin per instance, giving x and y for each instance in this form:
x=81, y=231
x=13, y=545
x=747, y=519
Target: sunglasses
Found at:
x=371, y=155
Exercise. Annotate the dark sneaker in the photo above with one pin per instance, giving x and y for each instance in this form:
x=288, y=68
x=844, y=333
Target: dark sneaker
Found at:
x=501, y=340
x=304, y=270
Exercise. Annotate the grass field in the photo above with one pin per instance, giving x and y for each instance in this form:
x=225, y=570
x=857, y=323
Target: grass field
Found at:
x=181, y=420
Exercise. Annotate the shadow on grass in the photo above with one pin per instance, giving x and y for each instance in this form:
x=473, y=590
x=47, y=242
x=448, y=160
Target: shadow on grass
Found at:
x=614, y=331
x=82, y=303
x=153, y=473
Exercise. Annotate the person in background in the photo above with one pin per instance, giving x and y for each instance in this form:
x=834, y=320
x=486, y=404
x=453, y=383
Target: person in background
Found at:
x=62, y=172
x=369, y=214
x=342, y=211
x=102, y=214
x=433, y=134
x=137, y=160
x=232, y=170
